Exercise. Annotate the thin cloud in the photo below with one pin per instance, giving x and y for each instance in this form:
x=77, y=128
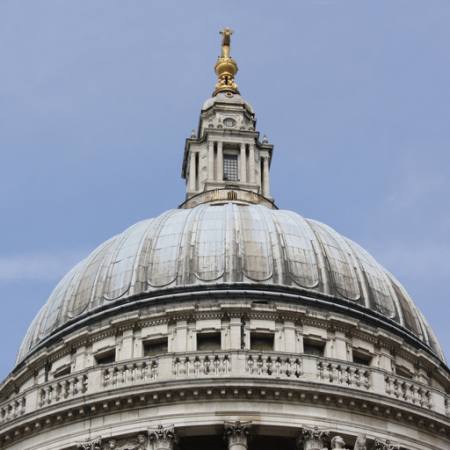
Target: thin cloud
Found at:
x=37, y=266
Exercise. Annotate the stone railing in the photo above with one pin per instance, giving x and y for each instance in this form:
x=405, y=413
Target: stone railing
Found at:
x=12, y=409
x=63, y=389
x=141, y=371
x=408, y=391
x=202, y=365
x=245, y=365
x=344, y=374
x=274, y=366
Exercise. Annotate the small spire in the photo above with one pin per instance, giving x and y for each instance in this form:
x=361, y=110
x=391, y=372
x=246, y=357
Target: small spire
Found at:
x=226, y=67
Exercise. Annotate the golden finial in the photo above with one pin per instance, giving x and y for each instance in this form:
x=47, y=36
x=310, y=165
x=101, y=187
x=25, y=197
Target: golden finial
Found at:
x=226, y=67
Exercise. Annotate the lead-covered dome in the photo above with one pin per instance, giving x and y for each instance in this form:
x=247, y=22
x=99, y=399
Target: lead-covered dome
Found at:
x=228, y=245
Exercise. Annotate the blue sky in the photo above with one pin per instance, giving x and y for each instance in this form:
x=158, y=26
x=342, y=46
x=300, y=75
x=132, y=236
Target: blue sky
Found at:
x=97, y=97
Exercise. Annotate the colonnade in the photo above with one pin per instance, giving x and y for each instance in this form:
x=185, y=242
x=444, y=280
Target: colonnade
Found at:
x=247, y=166
x=237, y=435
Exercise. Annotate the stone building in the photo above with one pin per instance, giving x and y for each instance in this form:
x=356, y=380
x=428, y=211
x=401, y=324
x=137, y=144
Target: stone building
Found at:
x=227, y=323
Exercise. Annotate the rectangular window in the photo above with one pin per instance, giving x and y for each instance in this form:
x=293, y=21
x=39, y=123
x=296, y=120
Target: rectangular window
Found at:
x=107, y=357
x=403, y=372
x=155, y=347
x=62, y=371
x=209, y=341
x=262, y=341
x=230, y=168
x=312, y=347
x=362, y=358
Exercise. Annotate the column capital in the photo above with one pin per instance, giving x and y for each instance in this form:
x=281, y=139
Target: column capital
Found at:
x=236, y=433
x=140, y=442
x=385, y=445
x=91, y=444
x=162, y=437
x=313, y=439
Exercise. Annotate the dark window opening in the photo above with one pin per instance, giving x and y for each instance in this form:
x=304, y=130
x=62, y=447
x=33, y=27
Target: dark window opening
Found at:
x=107, y=357
x=403, y=372
x=311, y=347
x=62, y=371
x=362, y=358
x=209, y=341
x=230, y=168
x=262, y=341
x=216, y=442
x=155, y=347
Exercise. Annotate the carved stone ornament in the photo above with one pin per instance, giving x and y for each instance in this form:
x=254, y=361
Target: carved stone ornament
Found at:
x=337, y=443
x=140, y=442
x=361, y=442
x=313, y=439
x=162, y=438
x=93, y=444
x=385, y=445
x=236, y=434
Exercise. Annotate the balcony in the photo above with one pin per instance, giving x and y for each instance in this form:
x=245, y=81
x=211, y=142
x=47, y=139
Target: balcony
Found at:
x=284, y=370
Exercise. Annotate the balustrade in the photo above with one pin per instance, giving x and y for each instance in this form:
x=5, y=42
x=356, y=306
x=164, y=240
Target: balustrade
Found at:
x=344, y=374
x=245, y=364
x=276, y=366
x=201, y=365
x=63, y=389
x=130, y=373
x=12, y=409
x=408, y=391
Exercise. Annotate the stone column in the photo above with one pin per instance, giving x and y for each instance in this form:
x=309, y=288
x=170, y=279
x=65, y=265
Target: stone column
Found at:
x=266, y=184
x=162, y=438
x=192, y=180
x=251, y=160
x=211, y=160
x=243, y=159
x=312, y=439
x=236, y=434
x=219, y=161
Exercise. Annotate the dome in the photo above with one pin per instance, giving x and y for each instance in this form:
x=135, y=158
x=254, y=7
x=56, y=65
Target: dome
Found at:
x=227, y=98
x=230, y=246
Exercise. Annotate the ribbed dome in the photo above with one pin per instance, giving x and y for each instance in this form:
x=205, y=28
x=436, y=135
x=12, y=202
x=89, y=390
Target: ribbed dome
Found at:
x=227, y=245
